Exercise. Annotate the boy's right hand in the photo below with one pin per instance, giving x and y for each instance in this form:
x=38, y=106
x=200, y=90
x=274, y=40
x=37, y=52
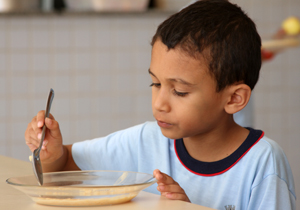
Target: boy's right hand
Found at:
x=52, y=148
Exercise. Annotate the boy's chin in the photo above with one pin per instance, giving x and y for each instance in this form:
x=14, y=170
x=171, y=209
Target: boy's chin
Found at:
x=170, y=135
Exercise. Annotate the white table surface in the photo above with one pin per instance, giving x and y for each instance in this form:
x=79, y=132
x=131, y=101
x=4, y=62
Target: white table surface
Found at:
x=13, y=199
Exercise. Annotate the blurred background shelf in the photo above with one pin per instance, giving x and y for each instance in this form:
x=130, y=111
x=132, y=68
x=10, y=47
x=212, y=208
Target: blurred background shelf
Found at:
x=89, y=7
x=149, y=12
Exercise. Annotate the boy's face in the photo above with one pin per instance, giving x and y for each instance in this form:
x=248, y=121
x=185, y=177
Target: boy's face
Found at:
x=184, y=98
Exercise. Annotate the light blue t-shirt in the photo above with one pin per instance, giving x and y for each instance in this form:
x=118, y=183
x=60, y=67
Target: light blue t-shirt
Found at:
x=257, y=176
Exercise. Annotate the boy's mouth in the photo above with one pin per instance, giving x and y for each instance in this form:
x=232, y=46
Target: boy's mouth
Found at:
x=163, y=124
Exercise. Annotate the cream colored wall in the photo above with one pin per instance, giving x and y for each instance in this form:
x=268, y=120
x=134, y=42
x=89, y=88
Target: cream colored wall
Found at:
x=97, y=66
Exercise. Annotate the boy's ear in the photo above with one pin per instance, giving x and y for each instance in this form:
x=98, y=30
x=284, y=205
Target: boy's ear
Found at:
x=239, y=95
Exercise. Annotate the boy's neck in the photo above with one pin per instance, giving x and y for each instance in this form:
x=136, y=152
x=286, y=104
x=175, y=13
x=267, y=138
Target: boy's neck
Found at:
x=217, y=144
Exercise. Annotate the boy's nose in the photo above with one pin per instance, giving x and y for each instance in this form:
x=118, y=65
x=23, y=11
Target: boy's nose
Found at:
x=160, y=101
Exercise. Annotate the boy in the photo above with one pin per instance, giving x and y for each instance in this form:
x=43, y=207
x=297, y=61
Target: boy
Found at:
x=205, y=62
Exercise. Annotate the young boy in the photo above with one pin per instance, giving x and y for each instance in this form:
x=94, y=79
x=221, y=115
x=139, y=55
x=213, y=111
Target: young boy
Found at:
x=205, y=62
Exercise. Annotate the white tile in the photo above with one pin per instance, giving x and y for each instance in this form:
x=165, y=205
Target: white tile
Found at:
x=83, y=129
x=41, y=38
x=104, y=127
x=142, y=61
x=124, y=83
x=19, y=108
x=65, y=128
x=62, y=62
x=21, y=152
x=3, y=109
x=142, y=39
x=57, y=22
x=277, y=100
x=83, y=83
x=5, y=150
x=293, y=79
x=82, y=38
x=4, y=63
x=261, y=99
x=19, y=39
x=62, y=38
x=277, y=122
x=101, y=106
x=83, y=60
x=62, y=84
x=124, y=61
x=83, y=106
x=143, y=104
x=124, y=123
x=3, y=85
x=20, y=85
x=18, y=23
x=41, y=84
x=124, y=105
x=39, y=22
x=293, y=120
x=142, y=82
x=103, y=83
x=293, y=102
x=3, y=37
x=104, y=37
x=104, y=62
x=277, y=78
x=62, y=106
x=123, y=36
x=19, y=62
x=41, y=61
x=18, y=132
x=3, y=132
x=40, y=104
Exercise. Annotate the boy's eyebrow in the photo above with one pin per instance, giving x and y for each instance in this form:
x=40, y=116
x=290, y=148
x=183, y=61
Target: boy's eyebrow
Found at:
x=174, y=79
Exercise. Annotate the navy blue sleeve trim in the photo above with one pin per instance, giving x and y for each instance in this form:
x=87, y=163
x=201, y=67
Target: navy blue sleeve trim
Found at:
x=218, y=167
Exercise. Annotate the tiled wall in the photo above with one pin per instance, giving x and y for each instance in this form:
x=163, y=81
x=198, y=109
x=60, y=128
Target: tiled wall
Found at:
x=97, y=65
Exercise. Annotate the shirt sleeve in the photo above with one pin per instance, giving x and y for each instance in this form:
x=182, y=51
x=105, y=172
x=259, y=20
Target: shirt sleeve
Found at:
x=272, y=194
x=116, y=151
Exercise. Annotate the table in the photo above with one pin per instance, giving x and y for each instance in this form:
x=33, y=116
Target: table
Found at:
x=13, y=199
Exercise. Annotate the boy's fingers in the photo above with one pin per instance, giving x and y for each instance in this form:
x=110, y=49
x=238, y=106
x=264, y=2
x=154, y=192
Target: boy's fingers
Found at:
x=53, y=127
x=30, y=135
x=177, y=196
x=173, y=194
x=168, y=187
x=40, y=118
x=175, y=188
x=163, y=178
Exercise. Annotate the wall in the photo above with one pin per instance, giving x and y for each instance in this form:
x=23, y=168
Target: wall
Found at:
x=98, y=65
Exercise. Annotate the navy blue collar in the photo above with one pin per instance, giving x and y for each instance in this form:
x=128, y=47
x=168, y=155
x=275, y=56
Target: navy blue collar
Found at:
x=218, y=167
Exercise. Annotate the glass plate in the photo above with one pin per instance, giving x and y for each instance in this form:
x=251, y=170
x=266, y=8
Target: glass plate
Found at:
x=83, y=188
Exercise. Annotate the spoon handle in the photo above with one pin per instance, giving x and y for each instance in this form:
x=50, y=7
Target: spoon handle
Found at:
x=49, y=102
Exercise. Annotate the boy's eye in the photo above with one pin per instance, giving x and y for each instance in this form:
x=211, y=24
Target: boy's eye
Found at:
x=155, y=84
x=180, y=93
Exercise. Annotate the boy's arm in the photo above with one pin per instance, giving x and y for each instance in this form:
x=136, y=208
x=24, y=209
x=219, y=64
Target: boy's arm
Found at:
x=169, y=188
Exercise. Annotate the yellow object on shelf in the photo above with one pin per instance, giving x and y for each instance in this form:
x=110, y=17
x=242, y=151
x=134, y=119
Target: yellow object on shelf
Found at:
x=291, y=26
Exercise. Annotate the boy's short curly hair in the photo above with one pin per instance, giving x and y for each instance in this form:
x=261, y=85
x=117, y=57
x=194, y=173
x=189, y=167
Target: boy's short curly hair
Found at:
x=222, y=33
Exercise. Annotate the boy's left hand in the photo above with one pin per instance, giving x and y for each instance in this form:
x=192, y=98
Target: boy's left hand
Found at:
x=168, y=187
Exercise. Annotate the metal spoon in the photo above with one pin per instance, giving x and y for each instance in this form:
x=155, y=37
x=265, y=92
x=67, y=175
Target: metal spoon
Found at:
x=36, y=162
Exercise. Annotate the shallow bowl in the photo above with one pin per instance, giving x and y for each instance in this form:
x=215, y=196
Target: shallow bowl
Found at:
x=83, y=188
